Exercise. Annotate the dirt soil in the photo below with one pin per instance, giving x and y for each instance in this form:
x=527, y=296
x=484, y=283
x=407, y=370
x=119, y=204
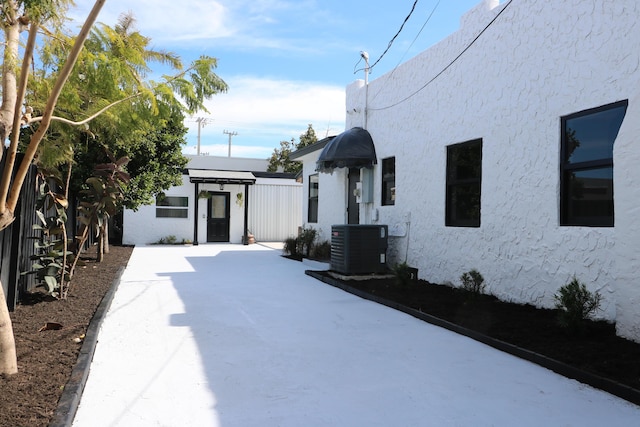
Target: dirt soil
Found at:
x=597, y=350
x=45, y=359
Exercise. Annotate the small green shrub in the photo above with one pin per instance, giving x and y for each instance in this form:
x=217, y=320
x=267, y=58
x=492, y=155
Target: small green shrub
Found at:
x=322, y=250
x=291, y=247
x=403, y=275
x=576, y=304
x=306, y=239
x=172, y=240
x=473, y=282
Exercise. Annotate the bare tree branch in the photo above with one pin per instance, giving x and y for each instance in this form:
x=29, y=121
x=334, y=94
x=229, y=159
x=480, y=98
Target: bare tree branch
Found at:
x=15, y=134
x=91, y=117
x=51, y=103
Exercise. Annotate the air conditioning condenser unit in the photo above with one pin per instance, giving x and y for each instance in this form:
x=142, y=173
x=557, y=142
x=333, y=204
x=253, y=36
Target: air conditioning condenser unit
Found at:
x=359, y=248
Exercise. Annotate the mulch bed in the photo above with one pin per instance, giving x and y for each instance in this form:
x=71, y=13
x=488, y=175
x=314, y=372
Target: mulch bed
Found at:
x=597, y=351
x=46, y=358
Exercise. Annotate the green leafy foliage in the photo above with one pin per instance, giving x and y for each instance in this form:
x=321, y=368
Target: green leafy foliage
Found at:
x=304, y=245
x=291, y=247
x=130, y=115
x=49, y=261
x=576, y=304
x=403, y=275
x=306, y=239
x=280, y=157
x=473, y=282
x=322, y=250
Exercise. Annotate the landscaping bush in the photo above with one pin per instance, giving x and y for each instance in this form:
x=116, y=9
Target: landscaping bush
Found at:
x=291, y=247
x=306, y=239
x=576, y=304
x=322, y=251
x=403, y=275
x=473, y=282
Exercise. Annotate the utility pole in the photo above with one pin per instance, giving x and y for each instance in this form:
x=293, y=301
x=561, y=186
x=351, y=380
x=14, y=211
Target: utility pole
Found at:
x=226, y=132
x=201, y=122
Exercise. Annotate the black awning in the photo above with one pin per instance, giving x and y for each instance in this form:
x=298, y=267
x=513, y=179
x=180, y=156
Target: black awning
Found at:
x=351, y=149
x=208, y=176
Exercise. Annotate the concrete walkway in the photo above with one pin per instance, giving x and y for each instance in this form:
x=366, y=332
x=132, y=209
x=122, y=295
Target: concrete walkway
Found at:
x=231, y=335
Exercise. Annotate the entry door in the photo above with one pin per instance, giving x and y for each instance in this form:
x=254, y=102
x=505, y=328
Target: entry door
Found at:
x=353, y=209
x=218, y=218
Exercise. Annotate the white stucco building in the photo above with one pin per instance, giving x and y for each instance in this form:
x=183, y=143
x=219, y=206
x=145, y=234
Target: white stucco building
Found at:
x=220, y=200
x=510, y=147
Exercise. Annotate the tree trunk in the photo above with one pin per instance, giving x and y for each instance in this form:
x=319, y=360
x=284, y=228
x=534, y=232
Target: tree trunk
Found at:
x=100, y=245
x=8, y=359
x=106, y=237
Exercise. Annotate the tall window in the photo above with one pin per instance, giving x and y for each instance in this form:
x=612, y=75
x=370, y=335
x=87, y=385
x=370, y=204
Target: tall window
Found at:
x=172, y=207
x=312, y=215
x=389, y=181
x=586, y=190
x=464, y=174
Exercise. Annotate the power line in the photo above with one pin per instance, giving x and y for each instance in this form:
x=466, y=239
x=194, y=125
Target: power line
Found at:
x=450, y=64
x=397, y=34
x=410, y=46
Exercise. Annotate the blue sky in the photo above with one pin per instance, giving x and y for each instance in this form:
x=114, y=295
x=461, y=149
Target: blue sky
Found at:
x=287, y=62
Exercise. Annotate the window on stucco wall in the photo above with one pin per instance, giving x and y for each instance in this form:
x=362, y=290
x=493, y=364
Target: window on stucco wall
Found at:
x=464, y=175
x=312, y=212
x=389, y=181
x=586, y=169
x=172, y=207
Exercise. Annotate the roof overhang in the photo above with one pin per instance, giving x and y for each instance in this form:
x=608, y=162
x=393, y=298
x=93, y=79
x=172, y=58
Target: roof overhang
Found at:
x=351, y=149
x=317, y=146
x=207, y=176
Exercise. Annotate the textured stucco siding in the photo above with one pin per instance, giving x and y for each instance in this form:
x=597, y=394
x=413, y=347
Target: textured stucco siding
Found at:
x=537, y=62
x=274, y=213
x=142, y=227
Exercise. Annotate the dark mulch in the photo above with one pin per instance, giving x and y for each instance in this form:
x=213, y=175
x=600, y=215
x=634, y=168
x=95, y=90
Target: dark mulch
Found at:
x=45, y=359
x=597, y=350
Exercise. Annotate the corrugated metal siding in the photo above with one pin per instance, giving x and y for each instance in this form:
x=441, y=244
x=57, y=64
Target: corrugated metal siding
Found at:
x=275, y=211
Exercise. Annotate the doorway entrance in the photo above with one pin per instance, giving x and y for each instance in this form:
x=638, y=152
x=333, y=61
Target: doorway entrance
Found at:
x=218, y=217
x=353, y=208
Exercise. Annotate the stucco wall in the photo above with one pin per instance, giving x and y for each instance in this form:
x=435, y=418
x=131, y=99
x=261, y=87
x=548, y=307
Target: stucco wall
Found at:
x=274, y=213
x=142, y=227
x=537, y=62
x=332, y=197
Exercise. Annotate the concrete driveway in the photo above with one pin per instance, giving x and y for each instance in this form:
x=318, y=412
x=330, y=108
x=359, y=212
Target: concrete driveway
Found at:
x=231, y=335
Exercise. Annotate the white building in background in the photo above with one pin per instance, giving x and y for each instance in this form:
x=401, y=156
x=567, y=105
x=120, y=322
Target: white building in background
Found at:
x=220, y=200
x=510, y=147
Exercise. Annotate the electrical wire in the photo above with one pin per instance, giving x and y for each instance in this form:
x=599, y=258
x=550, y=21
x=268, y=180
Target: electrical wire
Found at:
x=397, y=34
x=449, y=65
x=410, y=46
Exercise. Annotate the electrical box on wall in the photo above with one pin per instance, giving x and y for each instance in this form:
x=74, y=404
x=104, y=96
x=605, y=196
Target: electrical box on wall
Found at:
x=366, y=194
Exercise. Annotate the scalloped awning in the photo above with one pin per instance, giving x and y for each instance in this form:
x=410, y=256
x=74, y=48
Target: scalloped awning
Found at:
x=351, y=149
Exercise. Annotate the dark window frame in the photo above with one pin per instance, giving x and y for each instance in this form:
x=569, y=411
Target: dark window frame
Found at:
x=571, y=214
x=457, y=184
x=312, y=207
x=172, y=207
x=388, y=193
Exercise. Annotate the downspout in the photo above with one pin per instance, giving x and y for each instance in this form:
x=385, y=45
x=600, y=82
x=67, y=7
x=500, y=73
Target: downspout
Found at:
x=365, y=56
x=245, y=240
x=195, y=215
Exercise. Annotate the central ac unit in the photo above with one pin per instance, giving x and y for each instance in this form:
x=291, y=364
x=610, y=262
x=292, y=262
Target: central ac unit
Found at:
x=359, y=249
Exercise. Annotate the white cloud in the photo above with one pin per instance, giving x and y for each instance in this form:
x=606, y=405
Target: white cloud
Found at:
x=264, y=112
x=167, y=20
